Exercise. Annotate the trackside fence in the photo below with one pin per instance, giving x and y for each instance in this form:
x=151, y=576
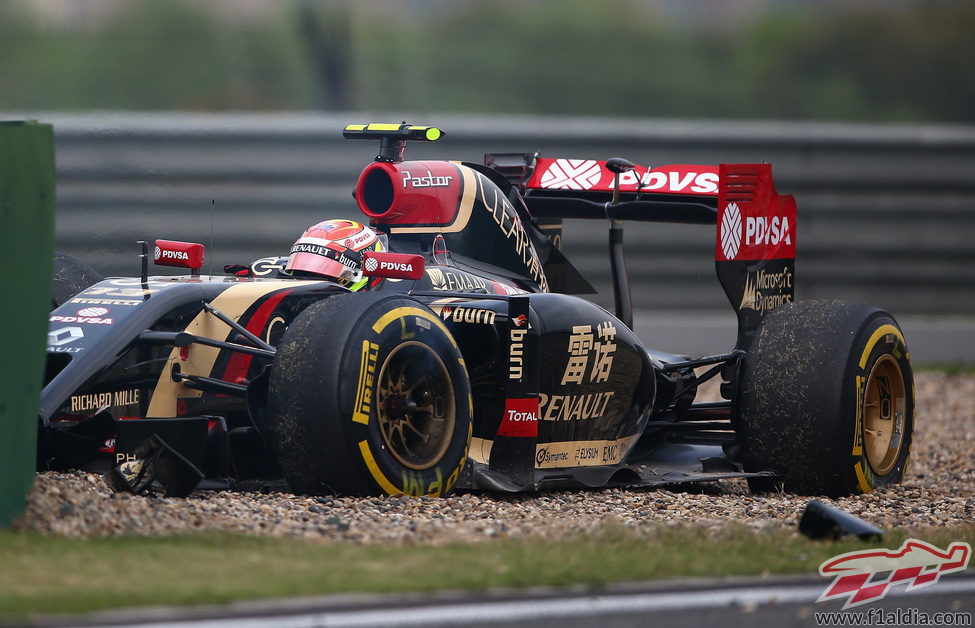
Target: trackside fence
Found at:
x=886, y=213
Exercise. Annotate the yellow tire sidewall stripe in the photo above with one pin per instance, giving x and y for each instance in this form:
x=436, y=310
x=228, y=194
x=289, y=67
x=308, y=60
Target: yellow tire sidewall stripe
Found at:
x=394, y=315
x=875, y=337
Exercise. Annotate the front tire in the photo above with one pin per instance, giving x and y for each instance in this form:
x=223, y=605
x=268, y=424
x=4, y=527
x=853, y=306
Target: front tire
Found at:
x=369, y=395
x=827, y=399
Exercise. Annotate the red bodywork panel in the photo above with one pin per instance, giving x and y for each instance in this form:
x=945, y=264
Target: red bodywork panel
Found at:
x=179, y=254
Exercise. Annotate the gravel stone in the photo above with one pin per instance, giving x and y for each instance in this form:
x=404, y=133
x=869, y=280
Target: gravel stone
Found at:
x=939, y=491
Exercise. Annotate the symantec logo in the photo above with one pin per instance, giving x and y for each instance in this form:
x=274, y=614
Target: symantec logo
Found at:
x=867, y=575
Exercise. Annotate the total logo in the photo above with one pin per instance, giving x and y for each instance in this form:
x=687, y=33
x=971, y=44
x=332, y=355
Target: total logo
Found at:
x=759, y=231
x=520, y=418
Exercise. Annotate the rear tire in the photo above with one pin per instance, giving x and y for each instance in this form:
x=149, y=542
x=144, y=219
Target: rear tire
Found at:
x=826, y=400
x=71, y=276
x=369, y=395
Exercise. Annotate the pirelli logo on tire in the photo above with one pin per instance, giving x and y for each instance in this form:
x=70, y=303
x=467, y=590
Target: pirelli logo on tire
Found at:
x=367, y=378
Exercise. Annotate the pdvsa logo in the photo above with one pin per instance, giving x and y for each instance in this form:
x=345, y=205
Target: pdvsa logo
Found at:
x=397, y=266
x=572, y=174
x=766, y=231
x=93, y=312
x=731, y=231
x=166, y=254
x=676, y=181
x=763, y=232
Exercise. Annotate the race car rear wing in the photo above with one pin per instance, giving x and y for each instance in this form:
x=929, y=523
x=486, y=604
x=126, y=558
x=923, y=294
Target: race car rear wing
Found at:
x=754, y=241
x=581, y=188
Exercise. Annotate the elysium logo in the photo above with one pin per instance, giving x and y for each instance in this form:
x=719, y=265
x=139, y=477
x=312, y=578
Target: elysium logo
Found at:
x=731, y=231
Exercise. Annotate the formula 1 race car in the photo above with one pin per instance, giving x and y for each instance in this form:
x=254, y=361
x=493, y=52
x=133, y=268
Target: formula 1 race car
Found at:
x=470, y=363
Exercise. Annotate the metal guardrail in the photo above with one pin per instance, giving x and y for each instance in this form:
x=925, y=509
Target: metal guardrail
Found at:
x=886, y=213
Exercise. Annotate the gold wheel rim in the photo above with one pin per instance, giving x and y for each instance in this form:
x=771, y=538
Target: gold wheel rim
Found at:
x=415, y=405
x=884, y=410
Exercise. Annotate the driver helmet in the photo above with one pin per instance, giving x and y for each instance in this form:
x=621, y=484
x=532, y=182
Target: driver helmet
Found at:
x=333, y=249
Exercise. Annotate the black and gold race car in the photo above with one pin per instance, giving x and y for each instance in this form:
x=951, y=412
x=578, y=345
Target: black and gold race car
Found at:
x=470, y=363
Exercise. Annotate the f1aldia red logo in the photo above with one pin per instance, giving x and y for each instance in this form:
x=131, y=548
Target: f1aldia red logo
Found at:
x=867, y=575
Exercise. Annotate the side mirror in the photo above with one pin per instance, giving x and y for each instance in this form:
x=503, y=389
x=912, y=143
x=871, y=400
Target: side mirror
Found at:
x=179, y=254
x=392, y=265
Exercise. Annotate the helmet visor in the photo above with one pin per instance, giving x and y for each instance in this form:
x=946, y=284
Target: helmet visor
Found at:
x=314, y=255
x=313, y=263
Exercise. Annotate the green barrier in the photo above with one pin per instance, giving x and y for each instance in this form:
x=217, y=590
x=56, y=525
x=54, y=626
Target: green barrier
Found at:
x=27, y=244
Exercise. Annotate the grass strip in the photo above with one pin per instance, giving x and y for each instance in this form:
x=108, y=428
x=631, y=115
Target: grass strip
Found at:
x=47, y=575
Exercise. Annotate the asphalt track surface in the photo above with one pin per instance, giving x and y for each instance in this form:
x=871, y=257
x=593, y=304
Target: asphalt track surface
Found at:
x=757, y=603
x=931, y=340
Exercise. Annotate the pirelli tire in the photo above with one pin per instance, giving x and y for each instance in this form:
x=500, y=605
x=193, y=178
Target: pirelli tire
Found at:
x=71, y=276
x=369, y=395
x=826, y=399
